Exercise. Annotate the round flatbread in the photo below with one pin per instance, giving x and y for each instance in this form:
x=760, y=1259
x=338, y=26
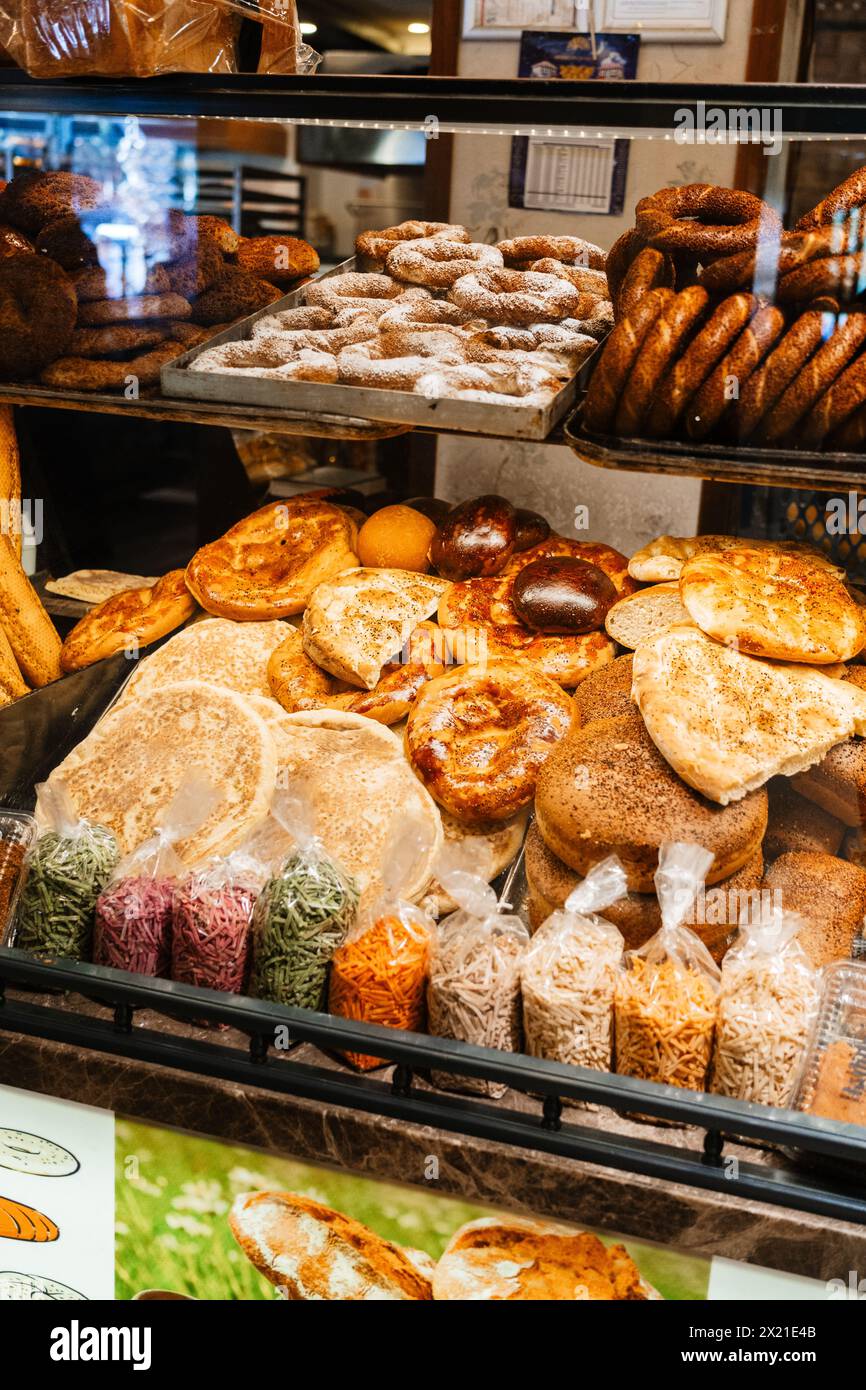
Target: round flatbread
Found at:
x=30, y=1153
x=361, y=788
x=663, y=559
x=634, y=619
x=217, y=650
x=130, y=766
x=501, y=838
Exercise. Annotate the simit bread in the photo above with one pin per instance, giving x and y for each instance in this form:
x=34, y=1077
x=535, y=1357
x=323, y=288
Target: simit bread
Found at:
x=35, y=198
x=829, y=894
x=37, y=314
x=607, y=790
x=232, y=295
x=606, y=692
x=796, y=823
x=313, y=1252
x=279, y=259
x=641, y=615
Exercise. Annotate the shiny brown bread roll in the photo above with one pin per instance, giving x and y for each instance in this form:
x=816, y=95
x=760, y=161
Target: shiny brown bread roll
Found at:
x=476, y=539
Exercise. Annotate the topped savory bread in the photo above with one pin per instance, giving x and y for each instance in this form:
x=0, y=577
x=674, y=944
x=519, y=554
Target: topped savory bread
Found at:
x=663, y=559
x=360, y=620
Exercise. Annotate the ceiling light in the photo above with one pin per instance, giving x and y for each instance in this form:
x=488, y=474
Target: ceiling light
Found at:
x=419, y=28
x=306, y=28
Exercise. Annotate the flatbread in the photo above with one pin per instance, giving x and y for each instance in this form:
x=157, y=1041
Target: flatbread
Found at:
x=130, y=766
x=92, y=586
x=502, y=839
x=640, y=615
x=216, y=650
x=774, y=605
x=363, y=618
x=355, y=774
x=663, y=558
x=728, y=722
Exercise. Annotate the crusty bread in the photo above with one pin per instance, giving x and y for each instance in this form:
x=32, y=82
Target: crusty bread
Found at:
x=796, y=823
x=838, y=783
x=663, y=559
x=607, y=790
x=516, y=1259
x=10, y=478
x=641, y=615
x=316, y=1253
x=773, y=604
x=728, y=722
x=357, y=622
x=606, y=692
x=828, y=893
x=31, y=633
x=128, y=620
x=12, y=683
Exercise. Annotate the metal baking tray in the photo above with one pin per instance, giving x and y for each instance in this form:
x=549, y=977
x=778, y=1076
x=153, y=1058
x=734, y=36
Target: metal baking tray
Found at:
x=179, y=378
x=724, y=463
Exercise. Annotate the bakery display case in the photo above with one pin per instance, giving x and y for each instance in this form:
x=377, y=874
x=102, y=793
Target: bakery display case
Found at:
x=241, y=883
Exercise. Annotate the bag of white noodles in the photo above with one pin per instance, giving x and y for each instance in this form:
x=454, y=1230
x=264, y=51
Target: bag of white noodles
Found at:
x=665, y=1011
x=570, y=972
x=769, y=998
x=473, y=993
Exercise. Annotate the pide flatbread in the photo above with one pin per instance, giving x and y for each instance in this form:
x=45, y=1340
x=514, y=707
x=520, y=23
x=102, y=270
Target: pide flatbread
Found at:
x=92, y=586
x=361, y=789
x=640, y=615
x=663, y=558
x=216, y=650
x=773, y=604
x=130, y=766
x=357, y=623
x=727, y=722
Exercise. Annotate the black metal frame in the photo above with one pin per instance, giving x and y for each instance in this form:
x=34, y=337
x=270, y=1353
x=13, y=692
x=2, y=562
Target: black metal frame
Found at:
x=826, y=1144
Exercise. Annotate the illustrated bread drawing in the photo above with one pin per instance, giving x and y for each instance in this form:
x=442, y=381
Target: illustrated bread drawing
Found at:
x=20, y=1222
x=30, y=1153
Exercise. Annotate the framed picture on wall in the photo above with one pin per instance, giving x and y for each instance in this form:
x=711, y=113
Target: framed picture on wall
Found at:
x=505, y=19
x=666, y=21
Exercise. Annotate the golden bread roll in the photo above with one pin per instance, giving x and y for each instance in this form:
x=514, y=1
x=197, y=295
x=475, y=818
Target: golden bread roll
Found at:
x=31, y=633
x=268, y=564
x=607, y=790
x=127, y=621
x=773, y=605
x=828, y=893
x=662, y=559
x=798, y=823
x=641, y=615
x=313, y=1252
x=511, y=1258
x=10, y=478
x=478, y=736
x=606, y=692
x=728, y=722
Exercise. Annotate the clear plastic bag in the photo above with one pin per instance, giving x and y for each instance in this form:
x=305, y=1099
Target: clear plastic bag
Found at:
x=379, y=974
x=118, y=38
x=666, y=994
x=211, y=922
x=769, y=999
x=473, y=994
x=67, y=869
x=301, y=916
x=282, y=48
x=570, y=975
x=132, y=926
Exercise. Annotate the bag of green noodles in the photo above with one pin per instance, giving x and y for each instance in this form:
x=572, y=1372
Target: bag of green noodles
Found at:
x=301, y=916
x=67, y=869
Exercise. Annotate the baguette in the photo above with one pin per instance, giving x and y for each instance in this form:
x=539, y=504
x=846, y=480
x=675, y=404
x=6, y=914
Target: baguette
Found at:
x=10, y=478
x=31, y=633
x=12, y=683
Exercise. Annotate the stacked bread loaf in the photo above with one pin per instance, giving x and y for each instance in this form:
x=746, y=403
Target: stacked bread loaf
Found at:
x=80, y=316
x=730, y=328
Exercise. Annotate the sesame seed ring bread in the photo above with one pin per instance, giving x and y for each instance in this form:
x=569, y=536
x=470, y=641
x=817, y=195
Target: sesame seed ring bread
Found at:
x=620, y=257
x=606, y=692
x=712, y=400
x=773, y=605
x=92, y=283
x=233, y=295
x=849, y=194
x=89, y=374
x=278, y=259
x=727, y=722
x=839, y=401
x=302, y=316
x=117, y=340
x=768, y=382
x=97, y=313
x=196, y=272
x=376, y=246
x=207, y=227
x=613, y=368
x=664, y=341
x=37, y=314
x=692, y=368
x=482, y=611
x=36, y=197
x=268, y=564
x=516, y=296
x=816, y=374
x=662, y=559
x=607, y=790
x=67, y=243
x=312, y=1252
x=367, y=365
x=638, y=616
x=424, y=313
x=588, y=281
x=493, y=383
x=795, y=249
x=569, y=250
x=703, y=218
x=850, y=436
x=291, y=341
x=478, y=736
x=13, y=243
x=130, y=619
x=650, y=270
x=438, y=264
x=842, y=275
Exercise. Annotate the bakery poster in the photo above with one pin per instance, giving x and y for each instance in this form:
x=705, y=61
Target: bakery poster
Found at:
x=580, y=174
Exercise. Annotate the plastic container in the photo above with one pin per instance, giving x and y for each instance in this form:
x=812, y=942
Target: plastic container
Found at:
x=17, y=834
x=832, y=1080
